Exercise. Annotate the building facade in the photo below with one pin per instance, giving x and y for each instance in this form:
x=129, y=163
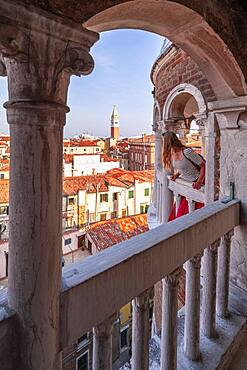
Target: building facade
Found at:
x=141, y=153
x=118, y=193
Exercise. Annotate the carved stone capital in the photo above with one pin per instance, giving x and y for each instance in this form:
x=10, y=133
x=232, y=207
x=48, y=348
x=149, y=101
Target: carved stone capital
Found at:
x=158, y=128
x=228, y=111
x=214, y=246
x=142, y=301
x=104, y=329
x=173, y=278
x=3, y=71
x=195, y=262
x=40, y=53
x=228, y=237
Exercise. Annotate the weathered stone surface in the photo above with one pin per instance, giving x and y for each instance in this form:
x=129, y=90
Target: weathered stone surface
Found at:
x=234, y=168
x=39, y=54
x=226, y=17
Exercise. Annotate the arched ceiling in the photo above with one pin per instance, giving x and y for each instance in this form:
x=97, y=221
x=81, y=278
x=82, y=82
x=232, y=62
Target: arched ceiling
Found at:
x=184, y=27
x=227, y=18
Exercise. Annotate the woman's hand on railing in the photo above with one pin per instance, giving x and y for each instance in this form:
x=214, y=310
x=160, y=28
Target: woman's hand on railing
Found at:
x=198, y=184
x=175, y=176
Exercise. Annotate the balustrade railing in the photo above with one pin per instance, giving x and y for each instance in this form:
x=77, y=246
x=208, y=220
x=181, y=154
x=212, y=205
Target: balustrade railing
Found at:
x=99, y=286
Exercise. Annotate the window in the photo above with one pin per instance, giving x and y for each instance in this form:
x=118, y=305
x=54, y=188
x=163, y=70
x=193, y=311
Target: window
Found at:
x=2, y=176
x=146, y=192
x=71, y=201
x=102, y=216
x=131, y=194
x=4, y=210
x=114, y=196
x=67, y=241
x=124, y=212
x=91, y=217
x=103, y=198
x=82, y=362
x=114, y=214
x=124, y=342
x=82, y=341
x=143, y=208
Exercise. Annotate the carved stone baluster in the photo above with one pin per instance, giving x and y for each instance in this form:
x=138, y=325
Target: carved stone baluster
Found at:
x=192, y=309
x=141, y=330
x=191, y=205
x=102, y=344
x=177, y=200
x=223, y=272
x=209, y=290
x=161, y=201
x=169, y=321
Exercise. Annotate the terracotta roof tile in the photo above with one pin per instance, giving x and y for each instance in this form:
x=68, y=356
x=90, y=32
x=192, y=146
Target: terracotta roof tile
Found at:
x=107, y=233
x=4, y=191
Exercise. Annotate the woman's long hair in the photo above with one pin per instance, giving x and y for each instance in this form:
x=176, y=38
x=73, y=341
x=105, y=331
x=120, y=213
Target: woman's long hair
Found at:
x=170, y=140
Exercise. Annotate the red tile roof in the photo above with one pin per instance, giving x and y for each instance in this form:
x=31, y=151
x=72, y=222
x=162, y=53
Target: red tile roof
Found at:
x=71, y=185
x=105, y=158
x=115, y=177
x=4, y=191
x=75, y=142
x=107, y=233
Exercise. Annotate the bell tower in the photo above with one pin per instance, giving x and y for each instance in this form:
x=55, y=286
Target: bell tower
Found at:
x=114, y=124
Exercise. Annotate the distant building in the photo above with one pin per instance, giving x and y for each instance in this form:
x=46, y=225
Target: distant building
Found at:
x=114, y=124
x=87, y=164
x=117, y=193
x=81, y=146
x=141, y=153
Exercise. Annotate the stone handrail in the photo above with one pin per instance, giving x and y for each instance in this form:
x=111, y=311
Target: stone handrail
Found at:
x=184, y=188
x=101, y=284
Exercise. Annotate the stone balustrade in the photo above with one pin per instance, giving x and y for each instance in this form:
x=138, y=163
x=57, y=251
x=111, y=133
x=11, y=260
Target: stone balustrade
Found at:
x=94, y=289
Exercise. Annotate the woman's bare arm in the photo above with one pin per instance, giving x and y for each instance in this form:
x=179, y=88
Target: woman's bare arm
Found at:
x=201, y=179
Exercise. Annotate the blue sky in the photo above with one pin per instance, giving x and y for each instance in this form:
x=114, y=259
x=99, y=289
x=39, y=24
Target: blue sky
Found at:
x=123, y=60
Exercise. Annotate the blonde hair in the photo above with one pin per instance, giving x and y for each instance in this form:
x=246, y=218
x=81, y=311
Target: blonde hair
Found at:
x=170, y=140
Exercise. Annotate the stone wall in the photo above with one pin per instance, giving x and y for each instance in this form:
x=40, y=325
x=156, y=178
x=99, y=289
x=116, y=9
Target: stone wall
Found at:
x=234, y=168
x=179, y=68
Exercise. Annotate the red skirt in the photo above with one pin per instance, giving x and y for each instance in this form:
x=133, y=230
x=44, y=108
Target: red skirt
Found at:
x=183, y=209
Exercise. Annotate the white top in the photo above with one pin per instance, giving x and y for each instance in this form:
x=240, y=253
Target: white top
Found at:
x=187, y=170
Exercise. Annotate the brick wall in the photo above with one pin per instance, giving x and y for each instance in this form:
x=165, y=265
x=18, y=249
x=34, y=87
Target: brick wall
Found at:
x=180, y=68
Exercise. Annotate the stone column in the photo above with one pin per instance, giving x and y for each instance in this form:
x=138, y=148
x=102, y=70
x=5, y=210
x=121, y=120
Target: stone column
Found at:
x=211, y=165
x=209, y=290
x=178, y=201
x=169, y=321
x=102, y=344
x=191, y=205
x=141, y=331
x=38, y=61
x=223, y=274
x=158, y=151
x=202, y=122
x=192, y=309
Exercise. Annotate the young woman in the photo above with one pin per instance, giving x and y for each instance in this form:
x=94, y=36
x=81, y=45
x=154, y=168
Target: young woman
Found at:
x=184, y=162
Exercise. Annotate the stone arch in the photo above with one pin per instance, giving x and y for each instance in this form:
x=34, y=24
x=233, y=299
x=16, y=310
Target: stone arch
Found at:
x=182, y=91
x=185, y=28
x=156, y=112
